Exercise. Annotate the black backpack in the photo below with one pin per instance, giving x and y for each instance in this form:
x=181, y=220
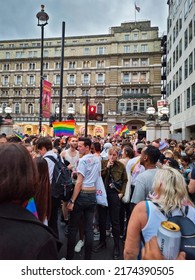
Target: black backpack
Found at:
x=62, y=186
x=187, y=228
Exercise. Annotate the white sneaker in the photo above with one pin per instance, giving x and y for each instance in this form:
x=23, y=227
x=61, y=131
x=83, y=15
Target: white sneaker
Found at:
x=79, y=246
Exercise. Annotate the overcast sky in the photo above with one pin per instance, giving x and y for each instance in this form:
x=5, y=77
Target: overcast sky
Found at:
x=82, y=17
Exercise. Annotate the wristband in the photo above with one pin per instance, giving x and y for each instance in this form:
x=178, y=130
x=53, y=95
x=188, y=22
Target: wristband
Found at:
x=71, y=201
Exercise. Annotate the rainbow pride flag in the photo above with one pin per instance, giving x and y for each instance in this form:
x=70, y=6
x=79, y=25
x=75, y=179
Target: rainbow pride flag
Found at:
x=124, y=130
x=31, y=206
x=65, y=128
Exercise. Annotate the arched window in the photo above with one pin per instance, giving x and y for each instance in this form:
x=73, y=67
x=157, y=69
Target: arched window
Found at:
x=99, y=108
x=17, y=108
x=30, y=108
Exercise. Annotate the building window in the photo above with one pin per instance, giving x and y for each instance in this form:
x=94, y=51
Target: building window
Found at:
x=31, y=80
x=135, y=48
x=45, y=65
x=188, y=98
x=4, y=93
x=31, y=66
x=185, y=38
x=57, y=81
x=127, y=37
x=86, y=78
x=193, y=94
x=190, y=31
x=100, y=78
x=18, y=80
x=135, y=36
x=101, y=50
x=5, y=67
x=7, y=55
x=144, y=48
x=32, y=54
x=30, y=92
x=126, y=78
x=100, y=92
x=18, y=66
x=186, y=69
x=19, y=54
x=30, y=109
x=86, y=51
x=72, y=64
x=134, y=78
x=86, y=64
x=144, y=61
x=56, y=92
x=126, y=49
x=190, y=63
x=141, y=106
x=143, y=77
x=135, y=62
x=180, y=75
x=126, y=62
x=99, y=108
x=100, y=64
x=71, y=92
x=45, y=53
x=72, y=79
x=58, y=65
x=17, y=109
x=5, y=81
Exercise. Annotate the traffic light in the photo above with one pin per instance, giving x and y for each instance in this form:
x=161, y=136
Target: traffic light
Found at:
x=99, y=117
x=92, y=112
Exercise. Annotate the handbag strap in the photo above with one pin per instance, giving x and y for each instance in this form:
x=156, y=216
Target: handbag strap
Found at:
x=133, y=167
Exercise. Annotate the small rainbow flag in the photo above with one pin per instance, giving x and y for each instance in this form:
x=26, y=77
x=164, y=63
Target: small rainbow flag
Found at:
x=64, y=128
x=124, y=130
x=31, y=206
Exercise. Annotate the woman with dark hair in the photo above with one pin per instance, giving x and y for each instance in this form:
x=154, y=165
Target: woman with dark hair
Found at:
x=23, y=236
x=43, y=191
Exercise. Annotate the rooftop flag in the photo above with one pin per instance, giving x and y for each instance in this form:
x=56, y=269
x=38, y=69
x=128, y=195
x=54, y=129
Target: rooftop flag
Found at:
x=64, y=128
x=137, y=8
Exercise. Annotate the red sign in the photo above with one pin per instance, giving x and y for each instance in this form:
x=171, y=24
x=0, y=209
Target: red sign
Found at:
x=46, y=99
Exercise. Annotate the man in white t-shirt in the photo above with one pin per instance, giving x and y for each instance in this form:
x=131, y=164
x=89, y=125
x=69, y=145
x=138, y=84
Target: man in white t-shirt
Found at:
x=83, y=200
x=143, y=183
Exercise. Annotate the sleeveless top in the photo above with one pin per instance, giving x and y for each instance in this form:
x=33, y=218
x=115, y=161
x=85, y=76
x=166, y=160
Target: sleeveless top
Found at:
x=155, y=217
x=72, y=159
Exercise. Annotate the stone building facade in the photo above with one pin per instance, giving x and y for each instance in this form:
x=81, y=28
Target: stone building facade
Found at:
x=120, y=72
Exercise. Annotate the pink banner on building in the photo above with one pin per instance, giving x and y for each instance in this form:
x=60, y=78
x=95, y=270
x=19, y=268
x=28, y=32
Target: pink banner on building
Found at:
x=46, y=100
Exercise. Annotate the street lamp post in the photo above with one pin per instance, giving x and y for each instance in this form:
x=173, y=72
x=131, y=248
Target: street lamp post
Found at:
x=42, y=21
x=86, y=112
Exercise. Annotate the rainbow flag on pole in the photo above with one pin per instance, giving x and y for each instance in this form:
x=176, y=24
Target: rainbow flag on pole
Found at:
x=124, y=130
x=64, y=128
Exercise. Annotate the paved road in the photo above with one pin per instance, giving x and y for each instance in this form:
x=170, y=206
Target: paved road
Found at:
x=104, y=254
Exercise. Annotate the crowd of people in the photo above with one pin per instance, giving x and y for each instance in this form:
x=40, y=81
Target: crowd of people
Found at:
x=159, y=173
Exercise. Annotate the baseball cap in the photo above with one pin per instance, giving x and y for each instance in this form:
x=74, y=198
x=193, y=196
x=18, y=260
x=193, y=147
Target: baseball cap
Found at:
x=163, y=145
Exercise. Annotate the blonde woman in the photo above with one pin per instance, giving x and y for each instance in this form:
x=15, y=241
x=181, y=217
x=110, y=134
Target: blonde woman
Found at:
x=171, y=196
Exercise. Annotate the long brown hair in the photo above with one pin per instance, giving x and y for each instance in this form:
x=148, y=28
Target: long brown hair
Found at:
x=18, y=174
x=43, y=191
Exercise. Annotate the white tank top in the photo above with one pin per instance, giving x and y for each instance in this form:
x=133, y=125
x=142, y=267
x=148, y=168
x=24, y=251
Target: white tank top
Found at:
x=72, y=159
x=155, y=217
